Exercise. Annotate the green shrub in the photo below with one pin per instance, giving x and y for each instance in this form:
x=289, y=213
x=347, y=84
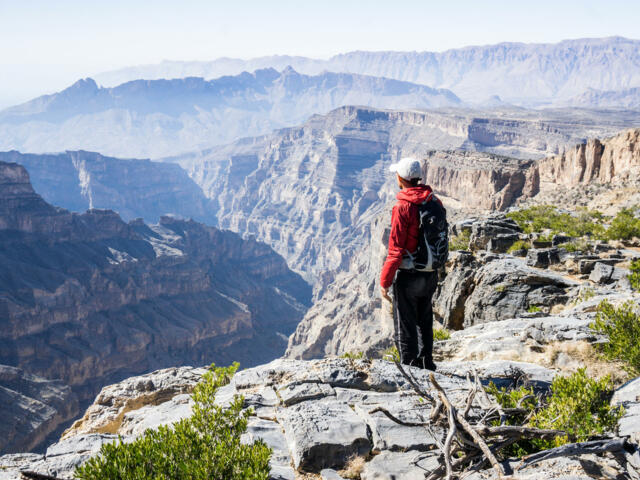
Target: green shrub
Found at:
x=519, y=245
x=203, y=446
x=625, y=225
x=461, y=241
x=577, y=245
x=353, y=355
x=621, y=326
x=441, y=334
x=546, y=217
x=534, y=309
x=579, y=406
x=634, y=277
x=521, y=397
x=576, y=404
x=391, y=354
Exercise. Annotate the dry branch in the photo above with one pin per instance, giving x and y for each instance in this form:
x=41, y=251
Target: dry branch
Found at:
x=582, y=448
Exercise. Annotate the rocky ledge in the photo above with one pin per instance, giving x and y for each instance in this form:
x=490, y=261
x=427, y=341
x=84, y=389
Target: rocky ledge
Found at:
x=323, y=419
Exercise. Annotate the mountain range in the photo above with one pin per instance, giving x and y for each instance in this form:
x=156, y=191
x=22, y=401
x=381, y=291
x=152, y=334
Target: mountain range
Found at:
x=522, y=74
x=155, y=118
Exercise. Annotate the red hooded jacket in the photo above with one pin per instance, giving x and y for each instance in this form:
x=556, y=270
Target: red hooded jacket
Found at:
x=404, y=230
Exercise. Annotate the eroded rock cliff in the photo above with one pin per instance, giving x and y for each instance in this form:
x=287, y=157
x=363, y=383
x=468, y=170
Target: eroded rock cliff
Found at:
x=89, y=299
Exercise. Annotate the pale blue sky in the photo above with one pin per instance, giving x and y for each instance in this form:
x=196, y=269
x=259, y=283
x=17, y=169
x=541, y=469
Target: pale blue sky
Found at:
x=46, y=45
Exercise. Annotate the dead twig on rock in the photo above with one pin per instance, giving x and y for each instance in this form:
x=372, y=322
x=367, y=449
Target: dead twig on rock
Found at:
x=409, y=378
x=395, y=419
x=582, y=448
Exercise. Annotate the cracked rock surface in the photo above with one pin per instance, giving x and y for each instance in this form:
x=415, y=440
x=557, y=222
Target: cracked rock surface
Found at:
x=317, y=415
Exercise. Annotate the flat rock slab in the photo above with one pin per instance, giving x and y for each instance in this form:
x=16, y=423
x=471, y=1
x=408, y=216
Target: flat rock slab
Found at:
x=577, y=467
x=323, y=434
x=399, y=465
x=629, y=397
x=320, y=414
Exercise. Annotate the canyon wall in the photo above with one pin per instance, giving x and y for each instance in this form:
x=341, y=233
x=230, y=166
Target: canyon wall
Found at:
x=307, y=191
x=87, y=298
x=351, y=316
x=80, y=180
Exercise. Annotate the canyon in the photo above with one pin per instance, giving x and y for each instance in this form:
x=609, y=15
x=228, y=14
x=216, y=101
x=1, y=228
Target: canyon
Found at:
x=89, y=299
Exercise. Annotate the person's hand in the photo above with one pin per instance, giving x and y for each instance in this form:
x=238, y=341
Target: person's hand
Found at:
x=385, y=294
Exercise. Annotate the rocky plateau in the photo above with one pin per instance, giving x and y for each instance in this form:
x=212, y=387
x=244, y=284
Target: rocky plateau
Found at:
x=324, y=419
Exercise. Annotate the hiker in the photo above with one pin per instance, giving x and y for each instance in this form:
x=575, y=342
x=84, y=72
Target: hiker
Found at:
x=414, y=279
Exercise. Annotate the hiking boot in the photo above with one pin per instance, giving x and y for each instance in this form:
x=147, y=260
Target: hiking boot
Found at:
x=430, y=366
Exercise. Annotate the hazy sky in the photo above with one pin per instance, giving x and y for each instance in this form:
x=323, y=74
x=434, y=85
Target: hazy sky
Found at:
x=46, y=45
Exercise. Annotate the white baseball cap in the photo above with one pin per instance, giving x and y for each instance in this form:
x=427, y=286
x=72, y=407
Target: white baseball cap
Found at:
x=408, y=168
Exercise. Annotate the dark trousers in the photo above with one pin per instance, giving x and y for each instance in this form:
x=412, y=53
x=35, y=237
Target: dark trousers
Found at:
x=413, y=316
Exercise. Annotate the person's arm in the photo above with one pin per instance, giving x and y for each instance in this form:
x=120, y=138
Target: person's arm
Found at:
x=397, y=242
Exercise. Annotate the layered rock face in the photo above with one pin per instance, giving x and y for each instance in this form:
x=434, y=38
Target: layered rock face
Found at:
x=309, y=191
x=80, y=180
x=598, y=174
x=615, y=160
x=612, y=162
x=32, y=408
x=318, y=415
x=476, y=180
x=89, y=299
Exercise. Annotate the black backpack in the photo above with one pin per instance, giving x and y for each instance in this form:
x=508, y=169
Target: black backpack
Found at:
x=433, y=237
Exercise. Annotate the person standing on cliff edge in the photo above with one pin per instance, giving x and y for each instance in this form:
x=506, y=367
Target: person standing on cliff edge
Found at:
x=413, y=287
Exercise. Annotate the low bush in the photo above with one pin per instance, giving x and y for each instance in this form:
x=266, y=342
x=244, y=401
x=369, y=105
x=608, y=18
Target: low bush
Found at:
x=625, y=225
x=391, y=354
x=519, y=245
x=461, y=241
x=353, y=355
x=579, y=406
x=534, y=309
x=441, y=334
x=577, y=245
x=203, y=446
x=576, y=404
x=634, y=277
x=547, y=217
x=621, y=326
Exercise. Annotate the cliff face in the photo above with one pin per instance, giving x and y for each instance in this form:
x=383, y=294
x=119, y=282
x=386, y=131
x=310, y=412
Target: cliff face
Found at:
x=82, y=180
x=32, y=408
x=614, y=160
x=600, y=174
x=309, y=191
x=89, y=299
x=350, y=314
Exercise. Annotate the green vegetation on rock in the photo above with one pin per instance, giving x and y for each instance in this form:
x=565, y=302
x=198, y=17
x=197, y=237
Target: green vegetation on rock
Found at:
x=519, y=245
x=625, y=225
x=621, y=326
x=634, y=277
x=203, y=446
x=576, y=405
x=547, y=217
x=391, y=354
x=353, y=355
x=461, y=241
x=441, y=334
